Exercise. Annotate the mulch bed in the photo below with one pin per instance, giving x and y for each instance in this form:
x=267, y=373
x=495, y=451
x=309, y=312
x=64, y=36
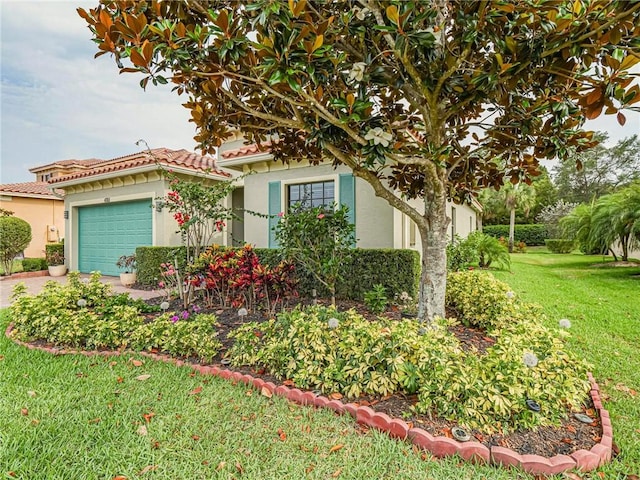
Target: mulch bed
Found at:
x=570, y=436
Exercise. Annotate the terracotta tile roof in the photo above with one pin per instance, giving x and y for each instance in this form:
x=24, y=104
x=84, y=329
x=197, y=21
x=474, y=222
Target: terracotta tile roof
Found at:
x=29, y=188
x=65, y=164
x=245, y=151
x=163, y=156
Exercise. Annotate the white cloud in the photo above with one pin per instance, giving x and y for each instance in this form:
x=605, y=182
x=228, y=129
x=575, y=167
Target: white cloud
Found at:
x=59, y=102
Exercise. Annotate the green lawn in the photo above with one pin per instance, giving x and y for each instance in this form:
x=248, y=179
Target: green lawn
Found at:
x=76, y=417
x=603, y=305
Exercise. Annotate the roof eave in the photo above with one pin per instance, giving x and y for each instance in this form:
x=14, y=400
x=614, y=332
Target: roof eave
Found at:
x=134, y=171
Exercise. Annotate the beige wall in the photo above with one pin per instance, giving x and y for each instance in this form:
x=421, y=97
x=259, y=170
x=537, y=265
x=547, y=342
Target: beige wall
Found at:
x=374, y=219
x=42, y=214
x=122, y=189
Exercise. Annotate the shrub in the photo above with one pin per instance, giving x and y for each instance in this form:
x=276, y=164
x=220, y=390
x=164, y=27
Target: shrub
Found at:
x=150, y=259
x=479, y=299
x=34, y=264
x=376, y=299
x=15, y=236
x=460, y=254
x=398, y=270
x=54, y=252
x=531, y=234
x=488, y=250
x=320, y=240
x=556, y=245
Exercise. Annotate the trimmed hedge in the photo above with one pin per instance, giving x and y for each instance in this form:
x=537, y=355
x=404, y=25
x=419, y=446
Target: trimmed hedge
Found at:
x=149, y=259
x=34, y=264
x=531, y=234
x=558, y=245
x=397, y=270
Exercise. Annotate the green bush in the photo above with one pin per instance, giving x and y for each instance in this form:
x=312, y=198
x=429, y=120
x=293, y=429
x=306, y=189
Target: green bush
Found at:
x=376, y=299
x=488, y=250
x=149, y=260
x=319, y=348
x=34, y=264
x=397, y=270
x=531, y=234
x=86, y=315
x=479, y=299
x=558, y=245
x=15, y=236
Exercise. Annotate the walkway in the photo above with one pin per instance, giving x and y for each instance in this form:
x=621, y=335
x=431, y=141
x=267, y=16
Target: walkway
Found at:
x=35, y=284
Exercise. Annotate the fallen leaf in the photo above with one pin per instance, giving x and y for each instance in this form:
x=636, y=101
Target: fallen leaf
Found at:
x=148, y=416
x=136, y=363
x=266, y=392
x=572, y=476
x=195, y=391
x=336, y=396
x=288, y=383
x=571, y=428
x=31, y=393
x=195, y=437
x=35, y=421
x=95, y=420
x=120, y=380
x=337, y=473
x=24, y=411
x=220, y=466
x=144, y=377
x=12, y=473
x=120, y=477
x=309, y=469
x=142, y=430
x=148, y=468
x=239, y=468
x=601, y=474
x=335, y=448
x=113, y=364
x=155, y=444
x=282, y=434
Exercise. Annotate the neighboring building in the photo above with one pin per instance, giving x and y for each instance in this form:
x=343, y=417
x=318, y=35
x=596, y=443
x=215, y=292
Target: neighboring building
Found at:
x=275, y=186
x=114, y=206
x=39, y=205
x=43, y=209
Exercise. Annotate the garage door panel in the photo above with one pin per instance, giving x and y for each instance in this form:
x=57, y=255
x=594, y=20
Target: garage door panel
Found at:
x=106, y=232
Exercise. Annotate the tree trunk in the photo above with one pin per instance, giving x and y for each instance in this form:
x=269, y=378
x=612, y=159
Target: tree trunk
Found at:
x=433, y=277
x=512, y=228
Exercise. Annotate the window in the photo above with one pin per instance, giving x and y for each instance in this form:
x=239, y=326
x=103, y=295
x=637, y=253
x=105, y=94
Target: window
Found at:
x=309, y=195
x=45, y=177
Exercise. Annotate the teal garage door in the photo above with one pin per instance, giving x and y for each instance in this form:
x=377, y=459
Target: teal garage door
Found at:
x=106, y=232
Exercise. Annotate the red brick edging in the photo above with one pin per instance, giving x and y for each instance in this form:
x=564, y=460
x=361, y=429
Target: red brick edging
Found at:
x=476, y=452
x=14, y=276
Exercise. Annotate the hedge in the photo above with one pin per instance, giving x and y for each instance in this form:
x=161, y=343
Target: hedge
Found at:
x=531, y=234
x=34, y=264
x=556, y=245
x=397, y=270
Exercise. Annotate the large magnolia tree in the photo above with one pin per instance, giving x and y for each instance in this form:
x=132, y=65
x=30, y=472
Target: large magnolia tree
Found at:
x=424, y=100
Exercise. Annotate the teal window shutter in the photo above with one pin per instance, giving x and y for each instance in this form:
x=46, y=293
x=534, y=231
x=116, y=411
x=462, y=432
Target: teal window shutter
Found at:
x=275, y=208
x=347, y=189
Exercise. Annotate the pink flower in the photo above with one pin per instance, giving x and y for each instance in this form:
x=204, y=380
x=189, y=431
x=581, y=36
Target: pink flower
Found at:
x=281, y=214
x=161, y=284
x=321, y=216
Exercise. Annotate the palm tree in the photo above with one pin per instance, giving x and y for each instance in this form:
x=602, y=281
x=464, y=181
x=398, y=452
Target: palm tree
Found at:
x=518, y=196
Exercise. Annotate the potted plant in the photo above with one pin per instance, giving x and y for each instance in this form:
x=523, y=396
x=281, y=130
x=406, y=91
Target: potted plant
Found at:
x=55, y=264
x=128, y=264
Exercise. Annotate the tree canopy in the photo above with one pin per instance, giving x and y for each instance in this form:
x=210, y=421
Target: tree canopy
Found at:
x=422, y=99
x=604, y=169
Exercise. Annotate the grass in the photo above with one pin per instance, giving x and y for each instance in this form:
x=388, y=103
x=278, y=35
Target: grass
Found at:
x=83, y=416
x=603, y=305
x=77, y=417
x=17, y=267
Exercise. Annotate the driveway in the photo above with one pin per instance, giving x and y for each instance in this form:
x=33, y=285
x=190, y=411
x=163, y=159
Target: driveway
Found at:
x=35, y=284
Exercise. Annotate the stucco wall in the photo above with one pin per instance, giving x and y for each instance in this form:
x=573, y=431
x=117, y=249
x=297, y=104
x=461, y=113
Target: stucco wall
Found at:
x=40, y=213
x=374, y=219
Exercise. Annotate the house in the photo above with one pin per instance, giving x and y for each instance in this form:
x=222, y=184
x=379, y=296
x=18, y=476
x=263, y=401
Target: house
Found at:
x=40, y=206
x=113, y=206
x=274, y=187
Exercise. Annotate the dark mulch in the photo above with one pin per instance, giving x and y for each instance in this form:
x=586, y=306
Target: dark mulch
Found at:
x=569, y=437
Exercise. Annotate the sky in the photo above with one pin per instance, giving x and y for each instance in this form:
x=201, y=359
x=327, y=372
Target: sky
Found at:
x=58, y=102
